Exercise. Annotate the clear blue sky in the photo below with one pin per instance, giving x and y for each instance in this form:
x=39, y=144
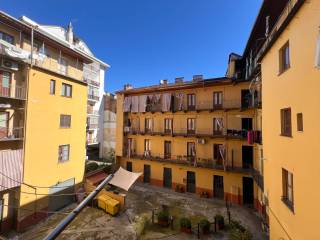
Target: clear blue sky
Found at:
x=148, y=40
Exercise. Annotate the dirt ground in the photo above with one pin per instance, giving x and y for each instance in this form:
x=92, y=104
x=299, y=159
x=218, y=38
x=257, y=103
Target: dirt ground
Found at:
x=135, y=221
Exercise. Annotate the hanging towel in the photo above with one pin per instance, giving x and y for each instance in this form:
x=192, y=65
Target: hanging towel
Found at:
x=166, y=102
x=127, y=104
x=250, y=137
x=143, y=103
x=135, y=104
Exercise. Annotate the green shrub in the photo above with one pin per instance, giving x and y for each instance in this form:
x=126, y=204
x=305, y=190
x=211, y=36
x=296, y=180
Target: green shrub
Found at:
x=204, y=225
x=91, y=167
x=219, y=218
x=237, y=234
x=237, y=225
x=185, y=223
x=163, y=216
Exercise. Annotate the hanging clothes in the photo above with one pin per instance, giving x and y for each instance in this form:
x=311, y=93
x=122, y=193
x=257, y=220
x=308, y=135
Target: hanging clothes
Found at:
x=143, y=103
x=166, y=102
x=250, y=137
x=127, y=104
x=135, y=104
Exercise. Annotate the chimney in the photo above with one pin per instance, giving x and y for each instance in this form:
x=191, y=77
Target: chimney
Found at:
x=164, y=82
x=127, y=87
x=178, y=80
x=197, y=78
x=70, y=33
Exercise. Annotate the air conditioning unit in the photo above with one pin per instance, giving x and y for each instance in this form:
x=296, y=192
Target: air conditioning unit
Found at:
x=10, y=64
x=201, y=141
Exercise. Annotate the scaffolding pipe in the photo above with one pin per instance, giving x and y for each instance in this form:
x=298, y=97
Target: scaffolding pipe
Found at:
x=67, y=220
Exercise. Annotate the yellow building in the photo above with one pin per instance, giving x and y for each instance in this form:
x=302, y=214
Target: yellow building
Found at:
x=43, y=101
x=192, y=136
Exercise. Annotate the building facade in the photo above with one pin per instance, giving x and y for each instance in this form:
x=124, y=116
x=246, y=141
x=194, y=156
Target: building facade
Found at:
x=43, y=99
x=109, y=127
x=201, y=136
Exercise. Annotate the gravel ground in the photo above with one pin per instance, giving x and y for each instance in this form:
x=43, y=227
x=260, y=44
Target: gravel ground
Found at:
x=93, y=223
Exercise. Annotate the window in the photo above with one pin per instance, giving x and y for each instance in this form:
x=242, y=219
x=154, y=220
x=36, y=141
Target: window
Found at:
x=191, y=151
x=65, y=121
x=191, y=100
x=5, y=81
x=284, y=58
x=93, y=93
x=191, y=125
x=168, y=125
x=217, y=100
x=64, y=151
x=300, y=122
x=286, y=122
x=52, y=87
x=6, y=37
x=148, y=125
x=217, y=153
x=63, y=66
x=147, y=145
x=217, y=126
x=167, y=149
x=66, y=90
x=129, y=166
x=287, y=188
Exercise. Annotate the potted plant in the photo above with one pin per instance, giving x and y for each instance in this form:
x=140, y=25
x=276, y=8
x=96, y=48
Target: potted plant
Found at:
x=204, y=194
x=219, y=221
x=185, y=225
x=204, y=226
x=163, y=218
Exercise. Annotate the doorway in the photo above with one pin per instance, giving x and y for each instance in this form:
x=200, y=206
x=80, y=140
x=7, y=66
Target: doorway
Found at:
x=191, y=182
x=246, y=124
x=129, y=166
x=247, y=157
x=4, y=123
x=167, y=177
x=247, y=186
x=146, y=173
x=218, y=188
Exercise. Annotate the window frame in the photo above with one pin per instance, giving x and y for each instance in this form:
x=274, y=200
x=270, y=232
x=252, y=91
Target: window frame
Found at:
x=286, y=123
x=60, y=156
x=148, y=125
x=287, y=189
x=8, y=35
x=191, y=130
x=168, y=125
x=53, y=91
x=64, y=87
x=147, y=145
x=191, y=101
x=63, y=120
x=300, y=122
x=284, y=53
x=217, y=95
x=167, y=146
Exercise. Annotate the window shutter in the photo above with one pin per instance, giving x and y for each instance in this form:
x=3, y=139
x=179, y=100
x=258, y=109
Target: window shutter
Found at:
x=317, y=59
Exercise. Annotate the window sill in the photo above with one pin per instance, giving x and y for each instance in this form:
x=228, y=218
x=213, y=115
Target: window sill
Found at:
x=288, y=204
x=64, y=127
x=283, y=71
x=286, y=135
x=66, y=96
x=62, y=162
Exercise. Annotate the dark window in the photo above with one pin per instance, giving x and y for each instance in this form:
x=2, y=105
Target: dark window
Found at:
x=286, y=122
x=284, y=58
x=64, y=152
x=300, y=122
x=191, y=100
x=167, y=149
x=6, y=37
x=52, y=87
x=129, y=166
x=66, y=90
x=217, y=100
x=191, y=125
x=287, y=188
x=168, y=125
x=65, y=121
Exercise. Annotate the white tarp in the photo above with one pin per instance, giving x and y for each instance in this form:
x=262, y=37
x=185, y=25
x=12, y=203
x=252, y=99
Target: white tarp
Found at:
x=124, y=179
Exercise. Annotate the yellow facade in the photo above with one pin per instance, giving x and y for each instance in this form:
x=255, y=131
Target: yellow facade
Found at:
x=296, y=88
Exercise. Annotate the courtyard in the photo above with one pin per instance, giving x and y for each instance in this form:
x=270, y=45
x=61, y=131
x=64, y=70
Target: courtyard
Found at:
x=135, y=222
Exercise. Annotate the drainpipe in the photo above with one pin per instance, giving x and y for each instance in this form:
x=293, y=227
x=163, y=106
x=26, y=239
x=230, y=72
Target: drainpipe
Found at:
x=65, y=222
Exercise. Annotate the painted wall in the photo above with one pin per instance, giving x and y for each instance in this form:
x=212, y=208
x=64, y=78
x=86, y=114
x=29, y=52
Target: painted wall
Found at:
x=298, y=88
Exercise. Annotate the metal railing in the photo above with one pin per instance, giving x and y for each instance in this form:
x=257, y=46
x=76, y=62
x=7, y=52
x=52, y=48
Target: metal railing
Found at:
x=93, y=112
x=92, y=141
x=13, y=91
x=93, y=97
x=11, y=133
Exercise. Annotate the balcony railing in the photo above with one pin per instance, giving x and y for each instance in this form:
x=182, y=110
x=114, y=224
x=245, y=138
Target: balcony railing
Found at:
x=91, y=81
x=91, y=141
x=11, y=133
x=92, y=125
x=93, y=112
x=258, y=178
x=93, y=97
x=192, y=161
x=13, y=91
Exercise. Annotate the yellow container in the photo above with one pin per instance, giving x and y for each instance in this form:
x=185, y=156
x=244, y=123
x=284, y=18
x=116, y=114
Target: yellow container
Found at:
x=108, y=204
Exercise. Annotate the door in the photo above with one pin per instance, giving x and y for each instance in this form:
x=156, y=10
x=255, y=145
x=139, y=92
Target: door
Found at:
x=167, y=177
x=245, y=98
x=167, y=149
x=4, y=122
x=146, y=173
x=129, y=166
x=191, y=182
x=247, y=186
x=191, y=151
x=5, y=78
x=218, y=188
x=247, y=156
x=61, y=201
x=246, y=124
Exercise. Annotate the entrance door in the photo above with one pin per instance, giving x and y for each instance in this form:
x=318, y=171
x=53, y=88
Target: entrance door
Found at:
x=191, y=182
x=247, y=186
x=218, y=189
x=58, y=202
x=4, y=122
x=146, y=173
x=167, y=177
x=247, y=156
x=246, y=124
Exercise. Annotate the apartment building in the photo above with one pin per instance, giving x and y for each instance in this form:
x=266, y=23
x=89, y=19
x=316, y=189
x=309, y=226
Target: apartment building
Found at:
x=109, y=127
x=43, y=99
x=201, y=136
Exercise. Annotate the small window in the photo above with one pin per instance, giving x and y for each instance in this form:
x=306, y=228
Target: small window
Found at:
x=52, y=87
x=6, y=37
x=65, y=121
x=66, y=90
x=284, y=58
x=287, y=188
x=129, y=166
x=191, y=125
x=191, y=101
x=286, y=122
x=300, y=122
x=64, y=151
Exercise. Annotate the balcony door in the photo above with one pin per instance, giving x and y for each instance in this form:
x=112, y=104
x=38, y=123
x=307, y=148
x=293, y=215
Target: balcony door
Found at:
x=191, y=151
x=167, y=149
x=5, y=79
x=218, y=188
x=4, y=123
x=247, y=156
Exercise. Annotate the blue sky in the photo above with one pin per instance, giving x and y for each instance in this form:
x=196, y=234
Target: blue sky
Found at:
x=145, y=41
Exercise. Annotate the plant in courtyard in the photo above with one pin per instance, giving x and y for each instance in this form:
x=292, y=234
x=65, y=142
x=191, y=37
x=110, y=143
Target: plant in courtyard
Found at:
x=239, y=232
x=91, y=167
x=204, y=226
x=219, y=221
x=185, y=225
x=163, y=218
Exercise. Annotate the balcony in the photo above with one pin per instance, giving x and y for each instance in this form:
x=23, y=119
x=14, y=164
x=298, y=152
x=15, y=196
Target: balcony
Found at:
x=93, y=97
x=258, y=178
x=93, y=112
x=192, y=161
x=13, y=91
x=92, y=141
x=11, y=133
x=11, y=166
